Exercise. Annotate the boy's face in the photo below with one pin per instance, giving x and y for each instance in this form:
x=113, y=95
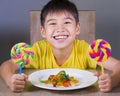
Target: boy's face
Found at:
x=60, y=29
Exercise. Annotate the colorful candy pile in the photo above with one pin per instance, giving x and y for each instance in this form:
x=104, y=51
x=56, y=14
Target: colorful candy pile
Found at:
x=61, y=79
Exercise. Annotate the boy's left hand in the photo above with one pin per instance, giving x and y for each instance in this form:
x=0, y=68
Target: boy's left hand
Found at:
x=104, y=82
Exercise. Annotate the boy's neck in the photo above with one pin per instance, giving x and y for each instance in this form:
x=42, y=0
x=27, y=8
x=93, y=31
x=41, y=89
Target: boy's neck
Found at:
x=62, y=55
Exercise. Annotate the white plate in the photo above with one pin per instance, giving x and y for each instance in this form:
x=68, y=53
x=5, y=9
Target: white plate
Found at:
x=85, y=78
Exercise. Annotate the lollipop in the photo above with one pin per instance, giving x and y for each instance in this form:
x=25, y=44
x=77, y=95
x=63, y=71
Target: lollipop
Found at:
x=22, y=54
x=100, y=51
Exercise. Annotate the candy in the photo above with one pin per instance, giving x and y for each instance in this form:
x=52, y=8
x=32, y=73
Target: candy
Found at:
x=100, y=51
x=22, y=54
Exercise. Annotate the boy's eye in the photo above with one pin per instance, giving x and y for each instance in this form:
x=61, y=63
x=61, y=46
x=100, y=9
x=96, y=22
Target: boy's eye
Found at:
x=52, y=23
x=67, y=23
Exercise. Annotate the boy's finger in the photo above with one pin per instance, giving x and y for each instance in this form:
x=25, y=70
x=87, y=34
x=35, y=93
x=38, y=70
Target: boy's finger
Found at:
x=20, y=77
x=104, y=88
x=97, y=74
x=19, y=82
x=25, y=76
x=19, y=87
x=103, y=77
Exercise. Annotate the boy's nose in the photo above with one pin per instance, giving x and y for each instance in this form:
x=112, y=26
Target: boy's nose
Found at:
x=60, y=28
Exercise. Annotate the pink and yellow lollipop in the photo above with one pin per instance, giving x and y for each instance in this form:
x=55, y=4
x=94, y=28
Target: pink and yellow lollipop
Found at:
x=100, y=51
x=22, y=54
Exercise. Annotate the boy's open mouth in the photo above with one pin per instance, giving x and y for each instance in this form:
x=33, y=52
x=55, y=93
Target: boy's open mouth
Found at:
x=58, y=37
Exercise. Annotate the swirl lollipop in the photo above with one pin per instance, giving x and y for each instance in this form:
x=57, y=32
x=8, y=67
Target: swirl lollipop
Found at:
x=22, y=54
x=100, y=51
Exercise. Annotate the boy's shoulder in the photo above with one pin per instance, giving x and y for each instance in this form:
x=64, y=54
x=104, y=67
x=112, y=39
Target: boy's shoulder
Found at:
x=81, y=44
x=41, y=43
x=77, y=41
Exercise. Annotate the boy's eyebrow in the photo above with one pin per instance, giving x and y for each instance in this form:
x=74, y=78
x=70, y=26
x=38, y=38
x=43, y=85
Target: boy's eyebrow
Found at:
x=50, y=20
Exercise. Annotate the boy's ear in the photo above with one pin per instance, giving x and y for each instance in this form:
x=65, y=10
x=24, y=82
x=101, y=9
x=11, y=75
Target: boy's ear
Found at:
x=78, y=29
x=42, y=31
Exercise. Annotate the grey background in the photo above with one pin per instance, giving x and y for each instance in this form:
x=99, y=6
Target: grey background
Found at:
x=15, y=24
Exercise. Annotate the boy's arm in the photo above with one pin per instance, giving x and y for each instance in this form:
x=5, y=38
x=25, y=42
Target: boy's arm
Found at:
x=16, y=82
x=108, y=81
x=7, y=69
x=113, y=65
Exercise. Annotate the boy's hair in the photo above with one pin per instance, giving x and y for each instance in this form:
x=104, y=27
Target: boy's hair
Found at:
x=59, y=6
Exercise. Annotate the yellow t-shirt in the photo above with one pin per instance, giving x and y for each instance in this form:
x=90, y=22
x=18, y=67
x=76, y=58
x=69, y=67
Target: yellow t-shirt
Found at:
x=44, y=57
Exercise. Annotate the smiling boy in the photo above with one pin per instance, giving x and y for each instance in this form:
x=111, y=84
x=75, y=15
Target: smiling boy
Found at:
x=60, y=25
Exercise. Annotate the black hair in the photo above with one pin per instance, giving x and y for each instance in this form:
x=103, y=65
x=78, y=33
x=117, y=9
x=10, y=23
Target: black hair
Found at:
x=58, y=6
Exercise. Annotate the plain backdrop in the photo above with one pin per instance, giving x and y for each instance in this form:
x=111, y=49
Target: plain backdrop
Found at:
x=15, y=23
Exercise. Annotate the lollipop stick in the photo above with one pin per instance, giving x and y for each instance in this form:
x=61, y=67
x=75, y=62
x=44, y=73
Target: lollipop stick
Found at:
x=102, y=68
x=20, y=70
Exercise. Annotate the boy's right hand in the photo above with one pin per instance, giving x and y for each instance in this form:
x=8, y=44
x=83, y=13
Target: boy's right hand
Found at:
x=17, y=82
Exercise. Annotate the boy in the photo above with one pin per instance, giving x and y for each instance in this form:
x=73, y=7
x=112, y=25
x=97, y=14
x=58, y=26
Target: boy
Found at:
x=60, y=25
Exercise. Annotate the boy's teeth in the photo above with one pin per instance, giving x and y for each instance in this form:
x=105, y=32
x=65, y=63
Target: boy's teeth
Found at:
x=60, y=37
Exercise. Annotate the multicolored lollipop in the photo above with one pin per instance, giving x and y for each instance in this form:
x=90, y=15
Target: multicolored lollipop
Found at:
x=100, y=51
x=22, y=54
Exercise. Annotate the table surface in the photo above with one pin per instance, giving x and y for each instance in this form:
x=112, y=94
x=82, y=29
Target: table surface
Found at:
x=30, y=90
